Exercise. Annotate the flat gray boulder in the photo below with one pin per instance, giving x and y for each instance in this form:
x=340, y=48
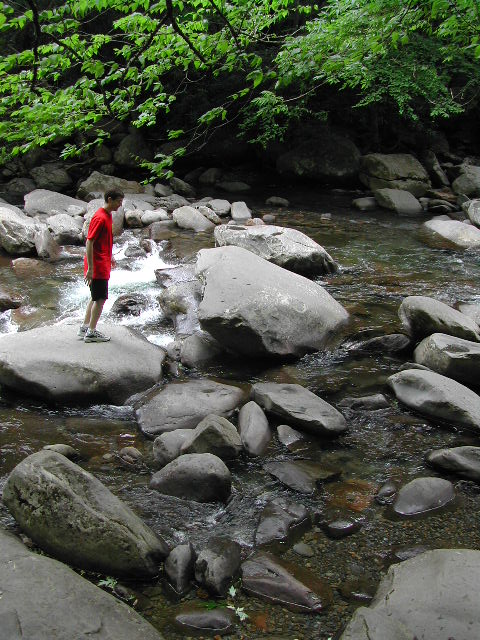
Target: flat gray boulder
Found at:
x=216, y=435
x=287, y=248
x=190, y=218
x=443, y=232
x=423, y=495
x=437, y=397
x=431, y=596
x=300, y=407
x=463, y=461
x=253, y=428
x=452, y=357
x=17, y=231
x=279, y=581
x=201, y=477
x=398, y=200
x=257, y=309
x=51, y=203
x=183, y=405
x=45, y=599
x=421, y=316
x=51, y=363
x=73, y=516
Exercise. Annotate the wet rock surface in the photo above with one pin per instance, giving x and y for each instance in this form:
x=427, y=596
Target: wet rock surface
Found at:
x=196, y=620
x=280, y=521
x=268, y=577
x=180, y=568
x=301, y=475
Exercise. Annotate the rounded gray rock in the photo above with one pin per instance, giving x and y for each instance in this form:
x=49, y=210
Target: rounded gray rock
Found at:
x=201, y=477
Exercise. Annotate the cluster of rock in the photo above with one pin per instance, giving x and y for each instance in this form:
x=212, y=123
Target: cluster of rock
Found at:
x=404, y=185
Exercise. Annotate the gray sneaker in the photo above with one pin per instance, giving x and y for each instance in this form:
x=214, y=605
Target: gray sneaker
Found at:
x=81, y=332
x=95, y=336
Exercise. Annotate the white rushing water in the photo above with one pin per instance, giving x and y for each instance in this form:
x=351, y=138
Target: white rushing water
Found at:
x=131, y=275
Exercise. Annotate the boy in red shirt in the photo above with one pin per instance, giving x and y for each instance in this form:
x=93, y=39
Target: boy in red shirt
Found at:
x=98, y=263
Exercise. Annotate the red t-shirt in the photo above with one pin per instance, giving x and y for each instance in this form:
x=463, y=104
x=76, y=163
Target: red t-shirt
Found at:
x=100, y=231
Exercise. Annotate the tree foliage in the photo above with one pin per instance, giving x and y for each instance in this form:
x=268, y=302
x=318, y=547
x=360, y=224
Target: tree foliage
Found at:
x=72, y=67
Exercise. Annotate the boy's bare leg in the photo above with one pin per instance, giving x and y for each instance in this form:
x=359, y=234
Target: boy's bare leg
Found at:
x=88, y=311
x=95, y=313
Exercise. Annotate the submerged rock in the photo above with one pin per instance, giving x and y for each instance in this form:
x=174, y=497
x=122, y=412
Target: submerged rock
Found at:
x=431, y=596
x=73, y=516
x=183, y=405
x=287, y=248
x=301, y=475
x=195, y=620
x=51, y=363
x=256, y=308
x=422, y=495
x=197, y=476
x=437, y=397
x=280, y=521
x=275, y=580
x=45, y=599
x=300, y=407
x=421, y=316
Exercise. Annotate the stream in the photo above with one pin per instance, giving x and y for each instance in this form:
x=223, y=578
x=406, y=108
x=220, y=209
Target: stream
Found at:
x=382, y=260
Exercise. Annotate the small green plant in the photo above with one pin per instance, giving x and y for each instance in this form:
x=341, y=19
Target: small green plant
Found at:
x=239, y=611
x=108, y=582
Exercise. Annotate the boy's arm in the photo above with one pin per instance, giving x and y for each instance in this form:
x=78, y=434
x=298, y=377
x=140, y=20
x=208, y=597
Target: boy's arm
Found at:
x=89, y=251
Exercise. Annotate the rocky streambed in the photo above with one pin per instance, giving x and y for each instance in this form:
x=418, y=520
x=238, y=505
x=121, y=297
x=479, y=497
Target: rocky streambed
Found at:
x=323, y=480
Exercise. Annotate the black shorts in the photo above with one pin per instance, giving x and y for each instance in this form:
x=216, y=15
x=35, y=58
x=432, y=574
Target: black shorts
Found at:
x=99, y=289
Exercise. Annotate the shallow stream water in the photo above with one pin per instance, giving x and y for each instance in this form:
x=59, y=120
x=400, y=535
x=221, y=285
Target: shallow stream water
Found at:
x=381, y=260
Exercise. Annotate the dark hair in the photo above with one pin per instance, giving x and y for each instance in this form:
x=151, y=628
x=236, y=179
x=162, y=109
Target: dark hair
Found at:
x=114, y=194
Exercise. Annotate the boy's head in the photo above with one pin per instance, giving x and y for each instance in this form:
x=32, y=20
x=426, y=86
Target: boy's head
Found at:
x=113, y=199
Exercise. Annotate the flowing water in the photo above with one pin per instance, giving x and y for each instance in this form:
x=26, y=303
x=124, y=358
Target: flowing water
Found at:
x=381, y=260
